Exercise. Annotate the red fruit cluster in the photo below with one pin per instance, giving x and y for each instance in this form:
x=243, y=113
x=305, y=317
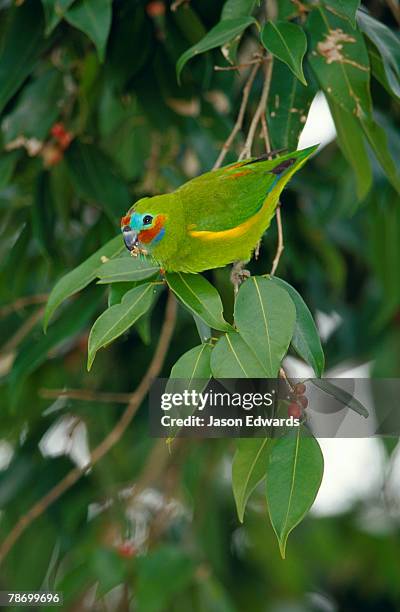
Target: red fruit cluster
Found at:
x=61, y=135
x=299, y=401
x=126, y=550
x=155, y=8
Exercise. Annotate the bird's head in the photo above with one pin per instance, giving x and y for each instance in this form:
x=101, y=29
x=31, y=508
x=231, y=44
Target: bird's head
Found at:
x=145, y=228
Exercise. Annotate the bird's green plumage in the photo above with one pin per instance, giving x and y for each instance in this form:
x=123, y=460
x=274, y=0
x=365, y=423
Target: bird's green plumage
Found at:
x=218, y=218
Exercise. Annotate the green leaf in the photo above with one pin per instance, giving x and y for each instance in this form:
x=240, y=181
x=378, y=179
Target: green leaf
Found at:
x=288, y=104
x=233, y=358
x=80, y=277
x=194, y=364
x=7, y=166
x=33, y=354
x=343, y=8
x=248, y=470
x=379, y=142
x=126, y=269
x=388, y=45
x=200, y=297
x=34, y=114
x=233, y=9
x=21, y=46
x=93, y=176
x=220, y=34
x=341, y=395
x=383, y=72
x=288, y=43
x=305, y=341
x=203, y=329
x=339, y=59
x=352, y=144
x=93, y=17
x=116, y=320
x=294, y=475
x=265, y=317
x=54, y=11
x=43, y=214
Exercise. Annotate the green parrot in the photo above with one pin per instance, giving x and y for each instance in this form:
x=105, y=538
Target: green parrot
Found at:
x=214, y=219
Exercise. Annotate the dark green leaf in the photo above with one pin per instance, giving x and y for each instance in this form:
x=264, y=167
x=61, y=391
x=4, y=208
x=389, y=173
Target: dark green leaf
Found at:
x=379, y=142
x=288, y=43
x=383, y=72
x=54, y=11
x=294, y=475
x=126, y=269
x=339, y=59
x=81, y=276
x=200, y=297
x=193, y=364
x=7, y=165
x=220, y=34
x=288, y=104
x=233, y=358
x=21, y=47
x=94, y=178
x=117, y=319
x=265, y=317
x=233, y=9
x=93, y=17
x=341, y=395
x=343, y=8
x=305, y=341
x=352, y=144
x=44, y=214
x=248, y=470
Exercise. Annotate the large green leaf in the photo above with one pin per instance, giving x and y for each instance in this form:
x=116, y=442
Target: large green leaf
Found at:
x=265, y=317
x=305, y=341
x=294, y=475
x=249, y=467
x=220, y=34
x=43, y=214
x=54, y=11
x=352, y=144
x=95, y=179
x=288, y=43
x=233, y=358
x=288, y=104
x=126, y=269
x=379, y=142
x=341, y=395
x=35, y=113
x=200, y=297
x=93, y=17
x=23, y=42
x=383, y=72
x=193, y=364
x=233, y=9
x=388, y=44
x=339, y=59
x=343, y=8
x=80, y=277
x=118, y=318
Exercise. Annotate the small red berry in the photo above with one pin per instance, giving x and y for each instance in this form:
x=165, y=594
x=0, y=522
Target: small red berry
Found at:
x=58, y=130
x=294, y=410
x=300, y=389
x=51, y=154
x=303, y=401
x=65, y=140
x=126, y=550
x=155, y=8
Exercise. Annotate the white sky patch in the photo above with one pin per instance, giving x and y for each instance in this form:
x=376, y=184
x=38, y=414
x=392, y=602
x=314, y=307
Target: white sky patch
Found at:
x=319, y=128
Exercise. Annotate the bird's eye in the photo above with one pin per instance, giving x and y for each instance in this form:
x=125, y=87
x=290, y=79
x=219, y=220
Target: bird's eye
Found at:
x=147, y=219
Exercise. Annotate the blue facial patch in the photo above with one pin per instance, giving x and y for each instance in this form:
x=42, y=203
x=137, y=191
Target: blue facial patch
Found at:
x=136, y=222
x=159, y=236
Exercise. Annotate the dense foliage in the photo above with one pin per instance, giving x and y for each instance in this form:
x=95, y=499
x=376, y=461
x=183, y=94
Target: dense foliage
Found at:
x=105, y=102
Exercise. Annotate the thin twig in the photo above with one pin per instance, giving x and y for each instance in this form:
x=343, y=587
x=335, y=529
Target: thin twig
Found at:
x=395, y=9
x=108, y=442
x=246, y=151
x=237, y=66
x=86, y=395
x=22, y=302
x=239, y=121
x=280, y=246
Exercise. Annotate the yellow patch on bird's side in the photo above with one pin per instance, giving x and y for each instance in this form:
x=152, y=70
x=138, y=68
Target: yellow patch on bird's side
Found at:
x=234, y=232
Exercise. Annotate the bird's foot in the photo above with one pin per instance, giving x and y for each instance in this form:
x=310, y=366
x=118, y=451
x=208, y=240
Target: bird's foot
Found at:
x=238, y=275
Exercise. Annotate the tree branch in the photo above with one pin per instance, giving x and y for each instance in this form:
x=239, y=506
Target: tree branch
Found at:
x=109, y=441
x=22, y=302
x=86, y=395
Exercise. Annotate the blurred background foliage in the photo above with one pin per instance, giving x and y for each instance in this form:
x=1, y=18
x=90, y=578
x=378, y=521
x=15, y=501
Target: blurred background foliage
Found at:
x=93, y=118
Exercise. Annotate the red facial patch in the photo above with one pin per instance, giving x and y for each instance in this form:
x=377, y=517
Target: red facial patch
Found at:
x=147, y=235
x=125, y=220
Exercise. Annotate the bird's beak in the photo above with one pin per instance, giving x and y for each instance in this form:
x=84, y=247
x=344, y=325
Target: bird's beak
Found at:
x=130, y=237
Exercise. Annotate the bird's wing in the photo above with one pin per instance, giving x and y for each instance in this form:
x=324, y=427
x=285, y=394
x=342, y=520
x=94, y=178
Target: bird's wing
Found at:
x=225, y=198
